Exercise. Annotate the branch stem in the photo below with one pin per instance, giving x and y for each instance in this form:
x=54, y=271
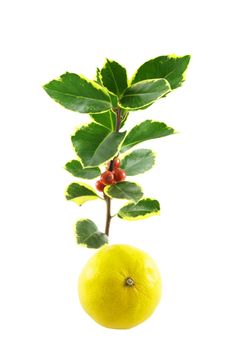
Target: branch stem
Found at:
x=118, y=119
x=108, y=199
x=108, y=214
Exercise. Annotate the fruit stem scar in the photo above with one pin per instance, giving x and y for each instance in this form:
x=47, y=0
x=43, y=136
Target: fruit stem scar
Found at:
x=129, y=282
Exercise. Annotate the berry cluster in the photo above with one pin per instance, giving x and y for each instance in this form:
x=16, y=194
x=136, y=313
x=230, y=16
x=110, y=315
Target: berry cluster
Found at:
x=110, y=177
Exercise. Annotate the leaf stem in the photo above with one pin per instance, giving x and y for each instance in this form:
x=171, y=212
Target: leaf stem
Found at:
x=108, y=199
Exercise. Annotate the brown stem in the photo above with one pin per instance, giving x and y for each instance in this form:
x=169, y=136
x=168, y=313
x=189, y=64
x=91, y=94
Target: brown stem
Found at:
x=108, y=199
x=118, y=119
x=118, y=125
x=108, y=214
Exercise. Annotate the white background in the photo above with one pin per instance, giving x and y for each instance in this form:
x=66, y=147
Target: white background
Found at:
x=191, y=240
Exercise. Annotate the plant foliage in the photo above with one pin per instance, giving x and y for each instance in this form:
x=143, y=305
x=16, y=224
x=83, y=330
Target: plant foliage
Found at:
x=108, y=99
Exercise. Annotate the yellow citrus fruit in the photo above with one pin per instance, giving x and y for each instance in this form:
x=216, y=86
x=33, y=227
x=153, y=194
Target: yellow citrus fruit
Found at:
x=120, y=286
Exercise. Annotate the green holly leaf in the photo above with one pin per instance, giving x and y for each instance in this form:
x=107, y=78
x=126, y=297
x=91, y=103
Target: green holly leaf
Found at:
x=88, y=234
x=80, y=193
x=79, y=94
x=147, y=130
x=171, y=67
x=113, y=97
x=114, y=77
x=138, y=161
x=98, y=77
x=124, y=117
x=144, y=93
x=143, y=209
x=106, y=119
x=124, y=190
x=76, y=169
x=95, y=144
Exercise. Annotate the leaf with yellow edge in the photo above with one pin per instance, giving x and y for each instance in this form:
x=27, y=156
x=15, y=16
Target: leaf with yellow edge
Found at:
x=145, y=208
x=144, y=93
x=170, y=67
x=76, y=169
x=114, y=77
x=88, y=234
x=79, y=94
x=95, y=144
x=107, y=119
x=124, y=190
x=80, y=193
x=138, y=161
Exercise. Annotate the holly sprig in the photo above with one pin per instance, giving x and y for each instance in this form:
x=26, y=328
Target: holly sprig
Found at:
x=108, y=99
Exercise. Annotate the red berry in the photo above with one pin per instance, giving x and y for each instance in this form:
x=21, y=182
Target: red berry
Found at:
x=116, y=163
x=107, y=178
x=119, y=174
x=99, y=186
